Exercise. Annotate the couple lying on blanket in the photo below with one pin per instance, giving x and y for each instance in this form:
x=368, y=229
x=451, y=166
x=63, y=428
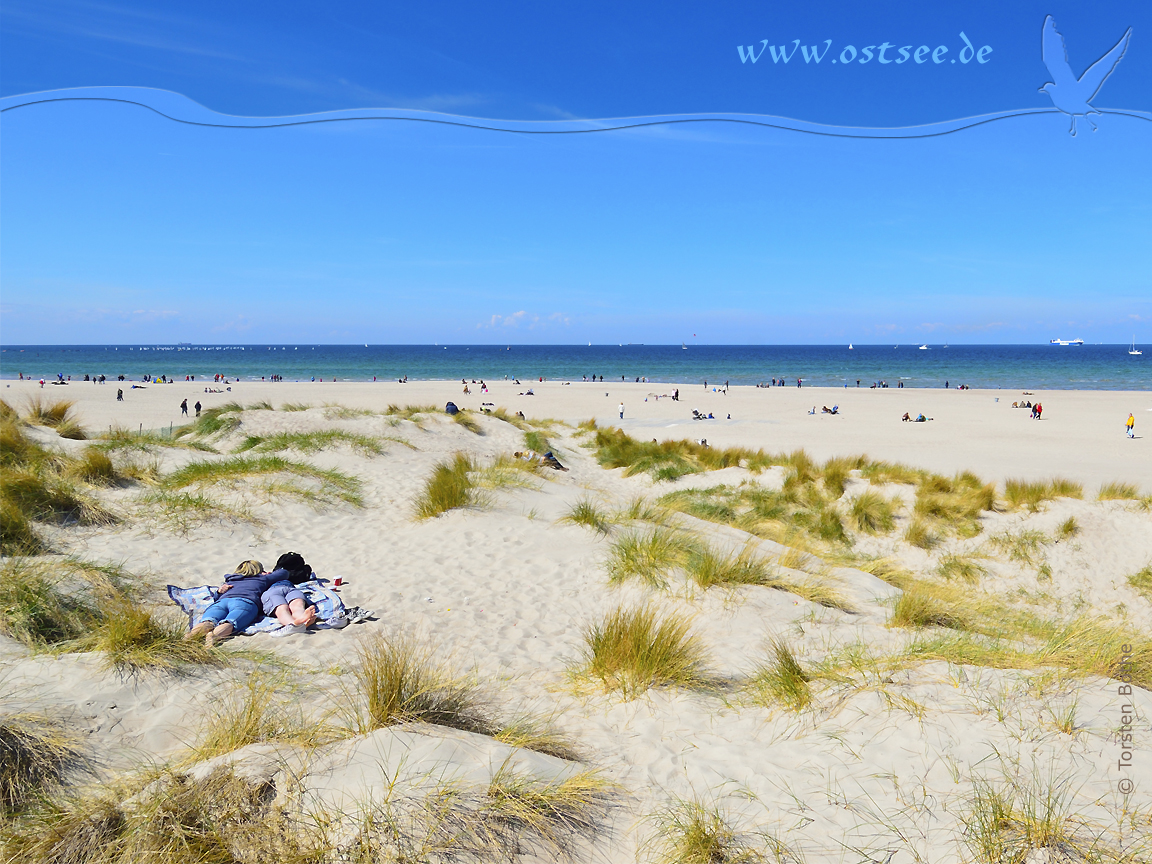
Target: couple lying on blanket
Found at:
x=252, y=592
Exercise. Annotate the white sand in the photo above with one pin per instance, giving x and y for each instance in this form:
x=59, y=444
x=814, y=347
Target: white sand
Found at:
x=886, y=769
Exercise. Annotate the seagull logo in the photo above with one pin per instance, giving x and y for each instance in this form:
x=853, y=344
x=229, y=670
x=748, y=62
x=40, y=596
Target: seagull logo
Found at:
x=1070, y=94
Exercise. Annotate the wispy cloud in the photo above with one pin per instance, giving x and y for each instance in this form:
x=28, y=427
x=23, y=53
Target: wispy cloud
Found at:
x=531, y=321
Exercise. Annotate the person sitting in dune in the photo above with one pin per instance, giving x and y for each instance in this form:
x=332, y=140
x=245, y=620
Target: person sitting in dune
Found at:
x=240, y=608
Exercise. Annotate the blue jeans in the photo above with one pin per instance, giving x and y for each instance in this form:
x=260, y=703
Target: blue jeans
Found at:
x=240, y=612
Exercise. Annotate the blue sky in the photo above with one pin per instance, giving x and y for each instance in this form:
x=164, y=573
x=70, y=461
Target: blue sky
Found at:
x=120, y=225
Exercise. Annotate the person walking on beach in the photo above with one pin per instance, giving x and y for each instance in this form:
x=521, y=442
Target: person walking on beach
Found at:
x=621, y=410
x=1039, y=410
x=119, y=395
x=197, y=408
x=1130, y=425
x=184, y=408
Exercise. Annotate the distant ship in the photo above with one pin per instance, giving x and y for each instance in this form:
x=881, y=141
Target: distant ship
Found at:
x=849, y=346
x=925, y=347
x=1133, y=350
x=1066, y=342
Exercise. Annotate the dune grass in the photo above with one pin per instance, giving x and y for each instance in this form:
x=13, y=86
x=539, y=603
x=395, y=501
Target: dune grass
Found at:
x=45, y=603
x=690, y=831
x=120, y=438
x=295, y=406
x=165, y=817
x=963, y=567
x=1023, y=546
x=1024, y=811
x=649, y=555
x=461, y=482
x=1141, y=580
x=213, y=422
x=919, y=533
x=449, y=487
x=533, y=733
x=58, y=415
x=464, y=418
x=327, y=484
x=1118, y=490
x=314, y=442
x=401, y=681
x=634, y=650
x=537, y=441
x=38, y=484
x=586, y=512
x=554, y=812
x=872, y=513
x=183, y=511
x=1031, y=494
x=37, y=753
x=134, y=638
x=710, y=567
x=261, y=710
x=781, y=681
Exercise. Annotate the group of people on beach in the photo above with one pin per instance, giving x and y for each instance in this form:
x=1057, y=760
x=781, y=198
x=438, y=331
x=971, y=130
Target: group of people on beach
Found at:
x=253, y=592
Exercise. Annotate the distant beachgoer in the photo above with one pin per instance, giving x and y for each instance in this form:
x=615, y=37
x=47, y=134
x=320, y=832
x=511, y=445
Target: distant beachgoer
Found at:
x=906, y=418
x=945, y=385
x=41, y=383
x=184, y=408
x=197, y=409
x=119, y=395
x=1130, y=425
x=621, y=410
x=1039, y=410
x=920, y=418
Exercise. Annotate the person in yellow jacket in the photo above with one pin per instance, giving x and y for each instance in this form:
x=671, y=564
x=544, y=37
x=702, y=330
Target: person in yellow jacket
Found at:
x=1130, y=425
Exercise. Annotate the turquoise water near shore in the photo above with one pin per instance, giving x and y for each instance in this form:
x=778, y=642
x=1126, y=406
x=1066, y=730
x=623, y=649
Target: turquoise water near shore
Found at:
x=1038, y=367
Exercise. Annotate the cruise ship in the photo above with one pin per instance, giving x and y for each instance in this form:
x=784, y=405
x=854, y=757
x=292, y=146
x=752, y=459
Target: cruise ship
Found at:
x=1066, y=342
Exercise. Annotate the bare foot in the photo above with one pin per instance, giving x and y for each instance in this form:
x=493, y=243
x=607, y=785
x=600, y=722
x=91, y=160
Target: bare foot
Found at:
x=199, y=630
x=307, y=617
x=222, y=632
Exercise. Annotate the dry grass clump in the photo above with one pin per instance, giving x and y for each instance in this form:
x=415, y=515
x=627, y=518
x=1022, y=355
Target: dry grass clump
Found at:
x=402, y=681
x=709, y=567
x=551, y=812
x=955, y=502
x=36, y=754
x=255, y=713
x=532, y=733
x=920, y=534
x=782, y=680
x=38, y=484
x=1118, y=490
x=649, y=555
x=693, y=832
x=633, y=650
x=165, y=818
x=921, y=607
x=872, y=513
x=1022, y=493
x=1067, y=529
x=459, y=482
x=586, y=512
x=295, y=406
x=57, y=415
x=665, y=460
x=450, y=486
x=133, y=638
x=464, y=418
x=1020, y=814
x=537, y=441
x=36, y=607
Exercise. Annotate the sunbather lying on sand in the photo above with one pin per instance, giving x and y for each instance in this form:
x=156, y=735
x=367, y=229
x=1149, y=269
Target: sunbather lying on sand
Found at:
x=240, y=603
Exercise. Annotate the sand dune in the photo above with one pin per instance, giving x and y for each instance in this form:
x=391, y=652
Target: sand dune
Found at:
x=887, y=760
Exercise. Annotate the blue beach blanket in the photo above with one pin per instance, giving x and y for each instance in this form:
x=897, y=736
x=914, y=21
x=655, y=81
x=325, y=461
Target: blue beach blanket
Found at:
x=330, y=611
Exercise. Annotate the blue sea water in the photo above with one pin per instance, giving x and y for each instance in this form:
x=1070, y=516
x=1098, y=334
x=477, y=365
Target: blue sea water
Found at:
x=1037, y=367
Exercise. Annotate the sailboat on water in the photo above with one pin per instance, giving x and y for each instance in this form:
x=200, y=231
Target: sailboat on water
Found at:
x=1133, y=350
x=684, y=346
x=849, y=346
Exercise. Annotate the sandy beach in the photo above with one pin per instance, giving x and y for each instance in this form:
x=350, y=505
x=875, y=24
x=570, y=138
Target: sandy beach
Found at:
x=891, y=754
